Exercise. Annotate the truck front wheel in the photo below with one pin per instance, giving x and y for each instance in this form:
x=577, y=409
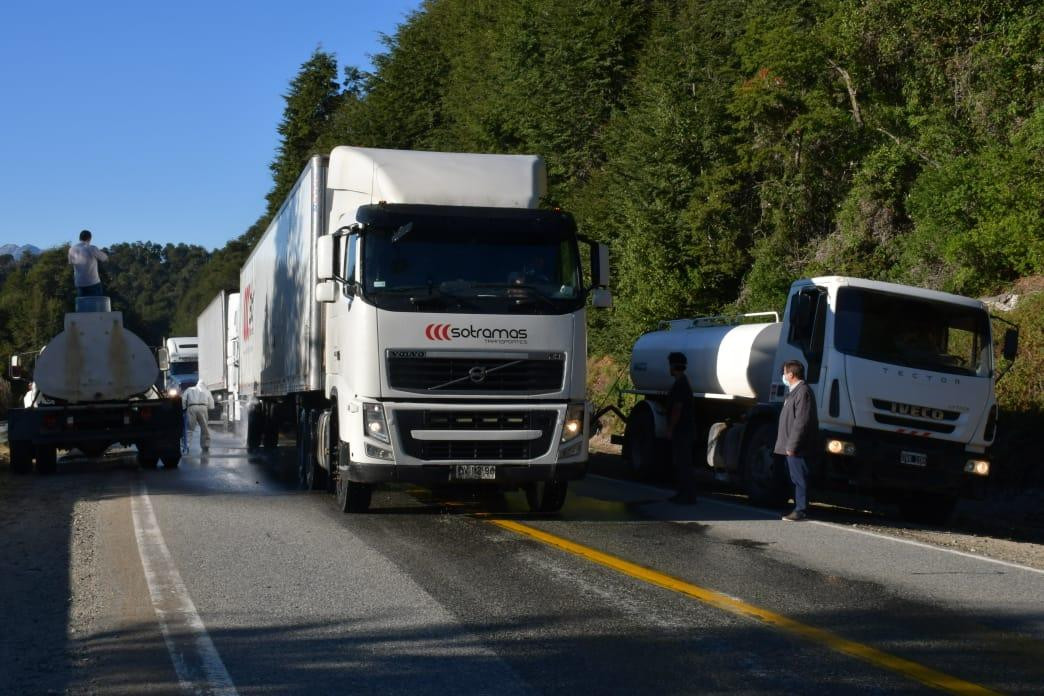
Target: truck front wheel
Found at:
x=764, y=479
x=352, y=496
x=546, y=496
x=46, y=459
x=21, y=456
x=254, y=422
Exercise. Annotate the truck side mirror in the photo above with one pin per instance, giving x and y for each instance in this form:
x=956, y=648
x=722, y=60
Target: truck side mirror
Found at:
x=601, y=298
x=599, y=265
x=1011, y=344
x=326, y=291
x=325, y=258
x=163, y=358
x=16, y=372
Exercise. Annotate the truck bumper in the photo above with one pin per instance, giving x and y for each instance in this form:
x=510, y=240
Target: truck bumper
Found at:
x=435, y=474
x=69, y=426
x=878, y=464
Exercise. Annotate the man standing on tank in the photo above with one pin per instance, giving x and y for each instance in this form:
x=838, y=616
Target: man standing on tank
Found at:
x=84, y=258
x=796, y=437
x=681, y=429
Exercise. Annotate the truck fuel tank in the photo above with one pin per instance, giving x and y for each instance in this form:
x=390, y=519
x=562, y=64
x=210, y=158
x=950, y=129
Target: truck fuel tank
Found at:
x=732, y=359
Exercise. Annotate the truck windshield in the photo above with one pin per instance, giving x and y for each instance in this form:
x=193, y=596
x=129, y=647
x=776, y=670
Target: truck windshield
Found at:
x=913, y=332
x=184, y=368
x=473, y=265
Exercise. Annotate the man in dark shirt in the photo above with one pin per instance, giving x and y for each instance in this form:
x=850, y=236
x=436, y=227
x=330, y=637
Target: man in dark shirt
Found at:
x=681, y=428
x=797, y=435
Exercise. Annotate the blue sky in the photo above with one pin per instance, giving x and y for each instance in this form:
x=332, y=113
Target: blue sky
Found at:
x=156, y=121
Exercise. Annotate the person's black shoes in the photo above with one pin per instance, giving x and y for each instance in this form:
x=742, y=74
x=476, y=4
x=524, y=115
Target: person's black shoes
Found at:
x=796, y=516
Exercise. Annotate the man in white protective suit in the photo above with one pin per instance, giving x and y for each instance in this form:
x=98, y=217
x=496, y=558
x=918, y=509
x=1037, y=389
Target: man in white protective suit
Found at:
x=198, y=401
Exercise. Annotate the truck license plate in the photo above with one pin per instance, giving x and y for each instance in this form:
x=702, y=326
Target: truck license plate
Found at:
x=474, y=472
x=913, y=458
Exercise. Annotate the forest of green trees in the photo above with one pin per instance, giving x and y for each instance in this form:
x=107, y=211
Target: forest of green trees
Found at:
x=721, y=148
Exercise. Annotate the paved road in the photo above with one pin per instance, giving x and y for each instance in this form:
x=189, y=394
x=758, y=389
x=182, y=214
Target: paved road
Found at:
x=224, y=577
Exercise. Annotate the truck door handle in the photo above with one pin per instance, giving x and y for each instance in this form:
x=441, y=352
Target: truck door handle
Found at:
x=337, y=355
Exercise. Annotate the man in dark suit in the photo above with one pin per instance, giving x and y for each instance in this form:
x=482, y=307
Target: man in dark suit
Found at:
x=798, y=434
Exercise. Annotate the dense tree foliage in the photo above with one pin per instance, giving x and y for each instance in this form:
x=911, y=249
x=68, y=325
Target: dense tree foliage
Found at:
x=722, y=148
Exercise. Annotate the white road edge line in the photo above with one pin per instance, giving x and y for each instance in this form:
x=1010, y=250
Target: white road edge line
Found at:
x=771, y=515
x=178, y=620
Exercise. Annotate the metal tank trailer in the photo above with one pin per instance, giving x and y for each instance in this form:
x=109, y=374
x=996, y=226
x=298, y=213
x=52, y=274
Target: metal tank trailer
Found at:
x=94, y=385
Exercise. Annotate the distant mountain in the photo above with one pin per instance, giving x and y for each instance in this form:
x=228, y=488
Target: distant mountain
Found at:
x=17, y=251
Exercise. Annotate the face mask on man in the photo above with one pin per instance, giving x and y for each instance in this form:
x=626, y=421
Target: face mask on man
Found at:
x=787, y=382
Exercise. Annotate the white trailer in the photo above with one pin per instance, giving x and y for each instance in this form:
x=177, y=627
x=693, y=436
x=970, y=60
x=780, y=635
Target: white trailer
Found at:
x=420, y=319
x=903, y=379
x=217, y=331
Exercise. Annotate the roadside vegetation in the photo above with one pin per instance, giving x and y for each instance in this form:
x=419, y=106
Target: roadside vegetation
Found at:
x=722, y=148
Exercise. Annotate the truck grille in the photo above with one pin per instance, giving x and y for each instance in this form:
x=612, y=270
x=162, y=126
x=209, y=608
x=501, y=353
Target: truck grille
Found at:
x=470, y=375
x=477, y=450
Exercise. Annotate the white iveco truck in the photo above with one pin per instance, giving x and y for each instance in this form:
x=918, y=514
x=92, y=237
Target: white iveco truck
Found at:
x=903, y=379
x=421, y=320
x=217, y=331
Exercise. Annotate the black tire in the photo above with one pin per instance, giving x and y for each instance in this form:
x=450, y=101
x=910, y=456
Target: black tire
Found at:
x=21, y=457
x=270, y=430
x=171, y=456
x=639, y=449
x=46, y=459
x=148, y=458
x=255, y=423
x=352, y=496
x=766, y=483
x=928, y=508
x=316, y=479
x=546, y=496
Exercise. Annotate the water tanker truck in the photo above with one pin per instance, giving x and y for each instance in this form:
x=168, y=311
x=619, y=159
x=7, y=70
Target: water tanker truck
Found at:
x=903, y=379
x=94, y=385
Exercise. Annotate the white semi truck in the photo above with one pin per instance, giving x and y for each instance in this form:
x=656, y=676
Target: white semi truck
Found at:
x=93, y=385
x=421, y=320
x=217, y=331
x=903, y=379
x=183, y=369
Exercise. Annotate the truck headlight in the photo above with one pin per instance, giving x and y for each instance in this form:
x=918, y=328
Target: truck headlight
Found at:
x=172, y=392
x=574, y=422
x=847, y=449
x=979, y=467
x=374, y=423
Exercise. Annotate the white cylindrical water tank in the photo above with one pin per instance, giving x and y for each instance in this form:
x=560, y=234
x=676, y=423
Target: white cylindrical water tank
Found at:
x=95, y=359
x=733, y=360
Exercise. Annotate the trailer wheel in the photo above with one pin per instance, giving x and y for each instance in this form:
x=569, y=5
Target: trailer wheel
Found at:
x=21, y=457
x=546, y=496
x=254, y=416
x=928, y=508
x=639, y=448
x=46, y=459
x=270, y=429
x=765, y=482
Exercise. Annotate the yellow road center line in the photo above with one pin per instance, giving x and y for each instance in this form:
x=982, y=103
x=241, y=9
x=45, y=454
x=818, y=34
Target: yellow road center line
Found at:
x=907, y=668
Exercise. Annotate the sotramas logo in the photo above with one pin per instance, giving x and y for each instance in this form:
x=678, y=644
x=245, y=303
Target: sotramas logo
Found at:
x=448, y=332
